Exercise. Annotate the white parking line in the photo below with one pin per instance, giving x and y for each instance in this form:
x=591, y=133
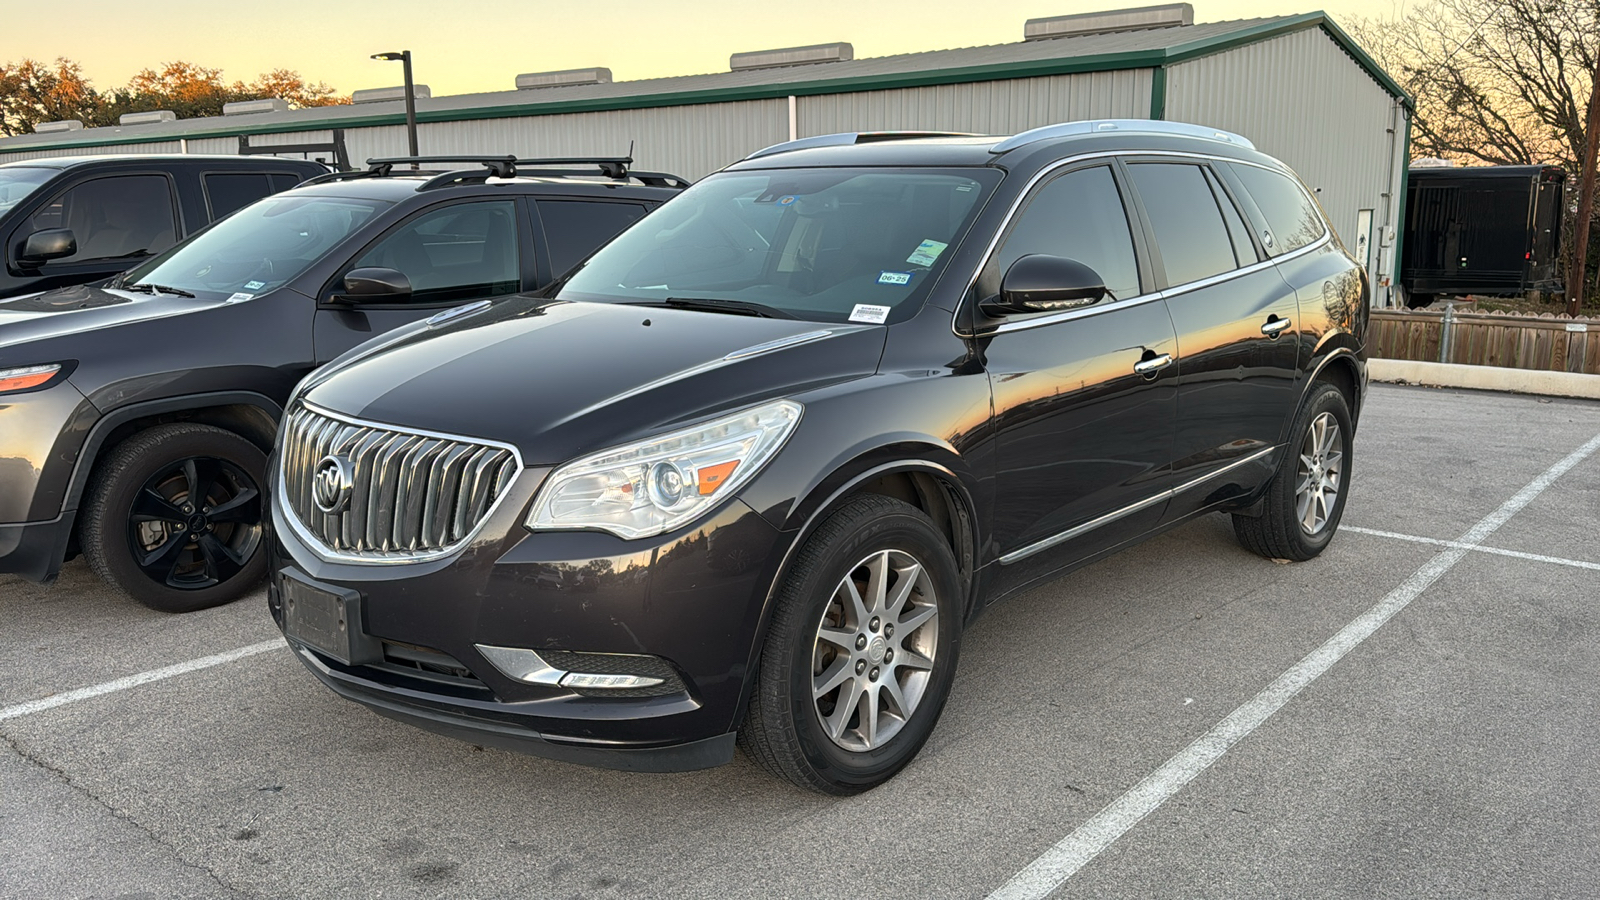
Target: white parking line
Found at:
x=122, y=684
x=1515, y=554
x=1051, y=869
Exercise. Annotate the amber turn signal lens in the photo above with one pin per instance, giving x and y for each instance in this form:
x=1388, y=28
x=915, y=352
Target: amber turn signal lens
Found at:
x=712, y=477
x=26, y=377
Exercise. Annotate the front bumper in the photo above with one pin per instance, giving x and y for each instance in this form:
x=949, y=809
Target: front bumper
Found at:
x=693, y=598
x=34, y=550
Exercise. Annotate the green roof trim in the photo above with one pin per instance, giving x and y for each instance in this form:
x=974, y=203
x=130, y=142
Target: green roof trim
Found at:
x=1156, y=59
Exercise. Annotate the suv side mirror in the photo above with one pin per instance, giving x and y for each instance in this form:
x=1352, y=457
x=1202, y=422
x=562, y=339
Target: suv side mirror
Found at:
x=42, y=246
x=1041, y=283
x=375, y=283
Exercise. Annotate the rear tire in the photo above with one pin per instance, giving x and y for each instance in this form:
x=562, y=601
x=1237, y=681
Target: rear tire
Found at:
x=1305, y=500
x=846, y=693
x=145, y=532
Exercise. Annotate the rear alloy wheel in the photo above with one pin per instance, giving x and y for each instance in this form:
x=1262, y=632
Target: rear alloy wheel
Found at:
x=861, y=651
x=175, y=517
x=1301, y=508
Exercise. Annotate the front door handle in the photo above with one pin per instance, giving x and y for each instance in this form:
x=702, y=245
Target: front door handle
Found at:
x=1274, y=326
x=1152, y=365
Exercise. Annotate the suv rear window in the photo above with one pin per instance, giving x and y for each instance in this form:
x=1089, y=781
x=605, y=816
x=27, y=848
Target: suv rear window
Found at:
x=1188, y=223
x=573, y=228
x=228, y=191
x=1291, y=216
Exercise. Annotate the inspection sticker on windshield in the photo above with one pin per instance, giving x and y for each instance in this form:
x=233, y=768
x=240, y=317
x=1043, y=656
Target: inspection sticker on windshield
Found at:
x=926, y=254
x=894, y=277
x=239, y=298
x=872, y=315
x=254, y=285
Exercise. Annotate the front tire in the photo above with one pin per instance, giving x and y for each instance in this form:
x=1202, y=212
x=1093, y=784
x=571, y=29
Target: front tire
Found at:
x=174, y=517
x=861, y=652
x=1303, y=504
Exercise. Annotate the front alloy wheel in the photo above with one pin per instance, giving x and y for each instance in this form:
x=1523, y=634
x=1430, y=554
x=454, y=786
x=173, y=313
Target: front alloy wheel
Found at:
x=175, y=517
x=861, y=651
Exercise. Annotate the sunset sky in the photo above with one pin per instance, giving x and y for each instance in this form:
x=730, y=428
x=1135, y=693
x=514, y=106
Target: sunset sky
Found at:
x=464, y=48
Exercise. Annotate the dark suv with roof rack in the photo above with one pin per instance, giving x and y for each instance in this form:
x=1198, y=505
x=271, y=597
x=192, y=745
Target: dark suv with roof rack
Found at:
x=135, y=417
x=753, y=468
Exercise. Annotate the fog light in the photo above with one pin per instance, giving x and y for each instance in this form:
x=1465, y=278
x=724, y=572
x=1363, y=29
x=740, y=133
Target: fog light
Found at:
x=597, y=680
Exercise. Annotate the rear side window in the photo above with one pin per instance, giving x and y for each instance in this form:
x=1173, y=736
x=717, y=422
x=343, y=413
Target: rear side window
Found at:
x=574, y=229
x=1079, y=216
x=1186, y=219
x=1292, y=218
x=1243, y=250
x=282, y=181
x=119, y=217
x=230, y=191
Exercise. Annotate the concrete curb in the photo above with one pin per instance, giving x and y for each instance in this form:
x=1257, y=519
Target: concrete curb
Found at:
x=1485, y=378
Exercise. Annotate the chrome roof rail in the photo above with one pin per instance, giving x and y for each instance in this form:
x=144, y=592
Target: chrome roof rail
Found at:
x=852, y=137
x=1120, y=126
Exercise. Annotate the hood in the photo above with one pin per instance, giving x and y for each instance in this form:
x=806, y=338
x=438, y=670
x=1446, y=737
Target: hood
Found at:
x=559, y=379
x=69, y=310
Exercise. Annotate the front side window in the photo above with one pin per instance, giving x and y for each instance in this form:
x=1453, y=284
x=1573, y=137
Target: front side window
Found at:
x=1292, y=218
x=827, y=245
x=1187, y=221
x=17, y=183
x=258, y=248
x=121, y=217
x=1080, y=216
x=460, y=252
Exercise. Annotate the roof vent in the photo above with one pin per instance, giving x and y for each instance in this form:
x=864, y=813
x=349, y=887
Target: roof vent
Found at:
x=1136, y=19
x=54, y=127
x=563, y=78
x=791, y=56
x=251, y=107
x=398, y=92
x=148, y=118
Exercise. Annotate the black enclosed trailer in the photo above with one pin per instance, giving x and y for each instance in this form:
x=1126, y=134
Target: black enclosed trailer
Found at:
x=1492, y=230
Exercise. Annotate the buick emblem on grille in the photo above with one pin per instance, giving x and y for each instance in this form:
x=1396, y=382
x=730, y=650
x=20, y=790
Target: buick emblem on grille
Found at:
x=332, y=483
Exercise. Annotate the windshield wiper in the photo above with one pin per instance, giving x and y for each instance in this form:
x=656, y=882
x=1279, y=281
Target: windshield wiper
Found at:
x=145, y=287
x=737, y=307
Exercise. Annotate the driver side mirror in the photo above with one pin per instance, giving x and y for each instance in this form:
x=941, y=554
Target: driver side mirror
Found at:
x=375, y=283
x=1042, y=283
x=42, y=246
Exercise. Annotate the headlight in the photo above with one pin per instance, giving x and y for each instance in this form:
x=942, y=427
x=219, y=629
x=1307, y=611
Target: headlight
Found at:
x=27, y=377
x=653, y=486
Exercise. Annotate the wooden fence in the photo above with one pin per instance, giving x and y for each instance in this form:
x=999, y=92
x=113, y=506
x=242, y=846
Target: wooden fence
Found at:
x=1511, y=340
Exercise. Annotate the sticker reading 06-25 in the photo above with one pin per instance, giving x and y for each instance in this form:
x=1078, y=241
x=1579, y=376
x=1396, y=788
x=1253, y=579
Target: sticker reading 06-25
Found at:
x=894, y=277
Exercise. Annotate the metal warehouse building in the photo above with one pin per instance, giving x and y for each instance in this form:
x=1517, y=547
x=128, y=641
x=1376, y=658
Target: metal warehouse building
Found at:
x=1297, y=86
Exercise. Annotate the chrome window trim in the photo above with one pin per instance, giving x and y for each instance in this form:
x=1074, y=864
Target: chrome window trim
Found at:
x=1171, y=291
x=1077, y=530
x=328, y=554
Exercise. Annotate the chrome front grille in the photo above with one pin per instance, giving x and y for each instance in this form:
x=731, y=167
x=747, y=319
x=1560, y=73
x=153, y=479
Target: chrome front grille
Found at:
x=413, y=495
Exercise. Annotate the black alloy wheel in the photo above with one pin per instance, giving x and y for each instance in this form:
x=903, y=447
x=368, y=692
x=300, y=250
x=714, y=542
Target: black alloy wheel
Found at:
x=176, y=517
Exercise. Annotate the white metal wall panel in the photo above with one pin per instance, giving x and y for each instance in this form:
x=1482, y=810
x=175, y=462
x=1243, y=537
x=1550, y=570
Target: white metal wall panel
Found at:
x=107, y=150
x=1300, y=98
x=986, y=107
x=691, y=141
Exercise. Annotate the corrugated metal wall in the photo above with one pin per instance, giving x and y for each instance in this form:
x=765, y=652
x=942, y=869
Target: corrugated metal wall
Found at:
x=112, y=150
x=1300, y=98
x=988, y=107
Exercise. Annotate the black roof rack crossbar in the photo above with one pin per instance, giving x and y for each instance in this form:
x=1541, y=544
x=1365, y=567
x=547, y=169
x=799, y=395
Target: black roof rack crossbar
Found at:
x=610, y=166
x=498, y=166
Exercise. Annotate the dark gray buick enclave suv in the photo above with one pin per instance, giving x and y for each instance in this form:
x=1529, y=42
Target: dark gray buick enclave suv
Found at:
x=749, y=472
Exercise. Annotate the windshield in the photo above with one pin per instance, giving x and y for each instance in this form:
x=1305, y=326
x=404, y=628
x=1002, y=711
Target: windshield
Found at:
x=258, y=248
x=17, y=182
x=831, y=245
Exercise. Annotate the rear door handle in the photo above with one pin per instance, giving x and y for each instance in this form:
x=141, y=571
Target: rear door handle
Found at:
x=1274, y=326
x=1152, y=365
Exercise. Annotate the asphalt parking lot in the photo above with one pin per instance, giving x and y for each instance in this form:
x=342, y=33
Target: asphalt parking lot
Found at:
x=1415, y=713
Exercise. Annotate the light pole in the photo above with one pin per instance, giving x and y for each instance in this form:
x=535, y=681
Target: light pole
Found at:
x=411, y=99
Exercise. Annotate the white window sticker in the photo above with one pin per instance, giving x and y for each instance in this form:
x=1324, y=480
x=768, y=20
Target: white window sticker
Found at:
x=872, y=315
x=894, y=277
x=239, y=298
x=926, y=254
x=254, y=285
